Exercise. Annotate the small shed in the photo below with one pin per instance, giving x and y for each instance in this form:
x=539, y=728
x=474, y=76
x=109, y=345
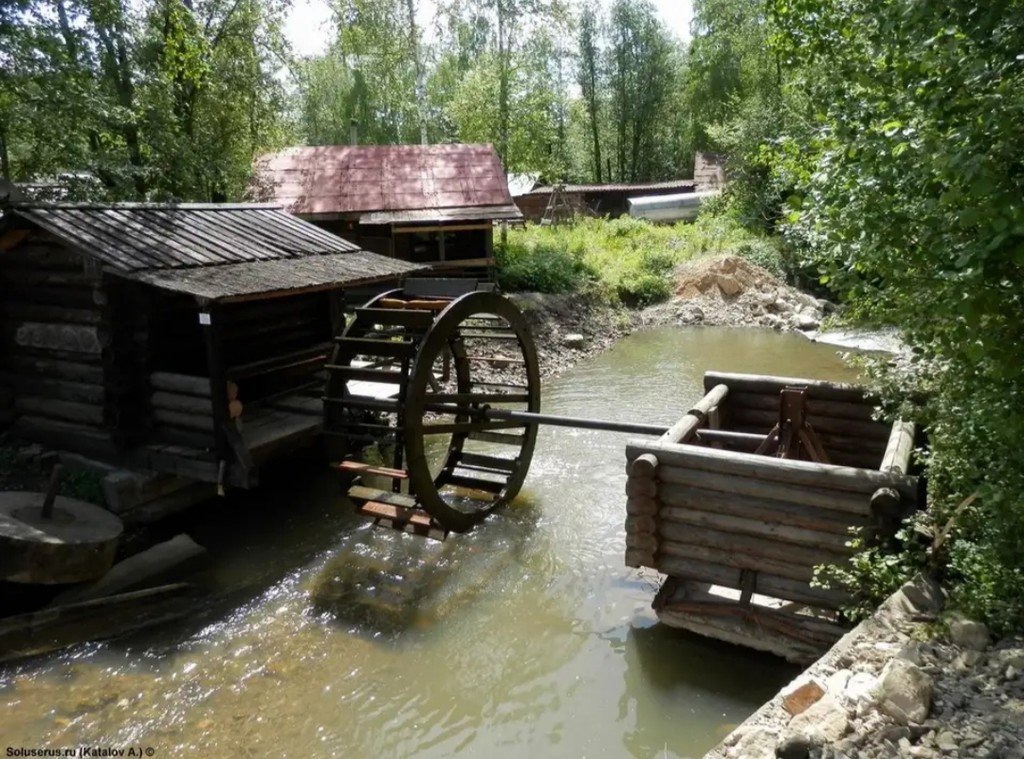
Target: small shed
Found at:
x=433, y=204
x=185, y=339
x=610, y=200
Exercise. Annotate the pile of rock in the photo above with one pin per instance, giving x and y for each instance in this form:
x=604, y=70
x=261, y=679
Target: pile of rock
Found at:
x=889, y=691
x=731, y=291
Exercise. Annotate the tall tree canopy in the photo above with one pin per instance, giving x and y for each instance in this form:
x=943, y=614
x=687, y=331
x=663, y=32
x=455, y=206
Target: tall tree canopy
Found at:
x=155, y=99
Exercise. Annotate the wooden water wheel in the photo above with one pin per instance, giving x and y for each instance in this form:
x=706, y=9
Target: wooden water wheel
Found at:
x=411, y=381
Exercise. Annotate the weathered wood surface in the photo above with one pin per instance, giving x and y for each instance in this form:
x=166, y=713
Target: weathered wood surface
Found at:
x=66, y=436
x=811, y=517
x=798, y=637
x=788, y=471
x=899, y=449
x=58, y=627
x=29, y=367
x=819, y=499
x=63, y=389
x=761, y=384
x=202, y=422
x=68, y=411
x=70, y=338
x=767, y=584
x=682, y=430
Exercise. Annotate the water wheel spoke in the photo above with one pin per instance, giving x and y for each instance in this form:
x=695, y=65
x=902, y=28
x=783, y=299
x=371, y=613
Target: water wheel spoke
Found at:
x=399, y=317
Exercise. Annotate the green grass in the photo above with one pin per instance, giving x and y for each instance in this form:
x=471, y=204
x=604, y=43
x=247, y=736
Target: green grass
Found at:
x=630, y=259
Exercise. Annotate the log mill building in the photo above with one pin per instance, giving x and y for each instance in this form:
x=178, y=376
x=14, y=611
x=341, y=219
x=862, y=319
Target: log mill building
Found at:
x=186, y=339
x=433, y=204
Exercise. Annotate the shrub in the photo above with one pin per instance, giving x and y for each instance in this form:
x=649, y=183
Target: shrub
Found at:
x=539, y=267
x=632, y=259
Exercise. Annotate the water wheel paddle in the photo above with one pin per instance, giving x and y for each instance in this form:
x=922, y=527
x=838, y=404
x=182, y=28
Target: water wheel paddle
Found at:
x=414, y=373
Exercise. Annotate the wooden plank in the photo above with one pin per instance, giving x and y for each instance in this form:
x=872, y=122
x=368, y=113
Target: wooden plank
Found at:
x=15, y=311
x=753, y=547
x=685, y=513
x=68, y=411
x=358, y=467
x=70, y=338
x=682, y=430
x=56, y=627
x=365, y=374
x=767, y=584
x=180, y=383
x=849, y=428
x=66, y=390
x=472, y=483
x=498, y=438
x=396, y=514
x=377, y=348
x=362, y=493
x=66, y=436
x=896, y=459
x=402, y=317
x=816, y=407
x=760, y=384
x=699, y=552
x=202, y=422
x=641, y=506
x=765, y=509
x=477, y=398
x=495, y=463
x=50, y=368
x=186, y=404
x=803, y=473
x=830, y=504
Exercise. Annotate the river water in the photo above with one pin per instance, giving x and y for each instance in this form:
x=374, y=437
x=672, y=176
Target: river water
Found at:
x=326, y=637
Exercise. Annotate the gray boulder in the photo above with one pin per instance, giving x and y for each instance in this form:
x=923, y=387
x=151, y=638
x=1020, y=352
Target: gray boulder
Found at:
x=904, y=692
x=967, y=633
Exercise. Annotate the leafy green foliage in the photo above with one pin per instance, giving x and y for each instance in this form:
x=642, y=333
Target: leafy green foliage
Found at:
x=161, y=99
x=908, y=202
x=631, y=259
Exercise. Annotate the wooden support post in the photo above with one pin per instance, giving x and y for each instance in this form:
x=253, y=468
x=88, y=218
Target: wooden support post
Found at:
x=211, y=321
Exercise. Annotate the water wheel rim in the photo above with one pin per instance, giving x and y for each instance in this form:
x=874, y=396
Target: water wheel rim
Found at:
x=422, y=482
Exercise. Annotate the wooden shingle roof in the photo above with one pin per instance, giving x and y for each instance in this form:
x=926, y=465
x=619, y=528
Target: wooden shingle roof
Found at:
x=211, y=250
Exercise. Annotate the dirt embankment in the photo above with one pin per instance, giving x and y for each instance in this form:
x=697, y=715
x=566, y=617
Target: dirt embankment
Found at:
x=568, y=328
x=732, y=292
x=723, y=291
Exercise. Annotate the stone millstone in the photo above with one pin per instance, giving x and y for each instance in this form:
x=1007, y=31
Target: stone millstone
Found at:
x=76, y=544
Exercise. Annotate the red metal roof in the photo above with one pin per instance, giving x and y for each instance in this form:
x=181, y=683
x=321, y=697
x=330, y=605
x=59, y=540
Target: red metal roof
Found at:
x=343, y=179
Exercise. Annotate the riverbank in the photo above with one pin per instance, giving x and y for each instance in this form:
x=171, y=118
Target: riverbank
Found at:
x=899, y=685
x=718, y=291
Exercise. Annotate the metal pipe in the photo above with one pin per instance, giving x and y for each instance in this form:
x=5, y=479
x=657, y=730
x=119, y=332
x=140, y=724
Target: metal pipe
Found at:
x=572, y=421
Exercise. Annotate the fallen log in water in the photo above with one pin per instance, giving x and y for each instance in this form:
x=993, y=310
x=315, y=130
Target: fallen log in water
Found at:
x=58, y=627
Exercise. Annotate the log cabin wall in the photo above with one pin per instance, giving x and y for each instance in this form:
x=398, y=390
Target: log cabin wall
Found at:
x=55, y=330
x=277, y=346
x=843, y=418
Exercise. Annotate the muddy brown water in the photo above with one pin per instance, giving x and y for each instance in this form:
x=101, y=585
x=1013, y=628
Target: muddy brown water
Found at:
x=323, y=636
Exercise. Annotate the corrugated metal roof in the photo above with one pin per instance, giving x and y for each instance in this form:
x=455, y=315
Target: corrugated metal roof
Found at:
x=281, y=275
x=680, y=184
x=480, y=213
x=343, y=179
x=133, y=236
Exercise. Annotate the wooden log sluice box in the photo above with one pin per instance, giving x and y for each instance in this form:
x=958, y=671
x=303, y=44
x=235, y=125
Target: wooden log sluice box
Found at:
x=739, y=524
